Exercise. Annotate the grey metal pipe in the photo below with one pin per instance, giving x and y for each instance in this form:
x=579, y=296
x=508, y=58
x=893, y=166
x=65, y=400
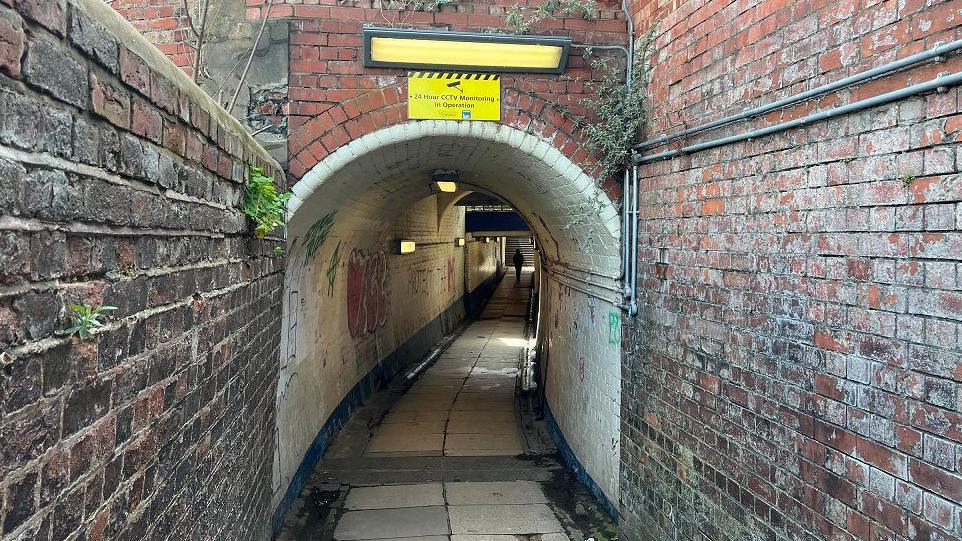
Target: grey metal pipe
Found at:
x=882, y=99
x=936, y=53
x=633, y=303
x=624, y=235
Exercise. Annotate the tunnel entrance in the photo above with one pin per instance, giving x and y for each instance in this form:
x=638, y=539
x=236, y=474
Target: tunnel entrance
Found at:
x=359, y=309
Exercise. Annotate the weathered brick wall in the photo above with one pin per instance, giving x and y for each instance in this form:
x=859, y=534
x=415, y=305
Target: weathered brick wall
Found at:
x=121, y=184
x=166, y=24
x=482, y=259
x=334, y=98
x=794, y=371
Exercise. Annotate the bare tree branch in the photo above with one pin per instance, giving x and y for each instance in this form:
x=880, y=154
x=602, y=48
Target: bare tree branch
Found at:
x=250, y=59
x=199, y=51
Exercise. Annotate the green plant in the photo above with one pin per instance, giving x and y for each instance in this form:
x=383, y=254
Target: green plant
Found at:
x=262, y=204
x=86, y=318
x=403, y=8
x=908, y=179
x=278, y=251
x=520, y=20
x=617, y=110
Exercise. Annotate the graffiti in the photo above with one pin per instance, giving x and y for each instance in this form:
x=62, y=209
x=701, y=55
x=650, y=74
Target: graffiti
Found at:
x=332, y=269
x=418, y=281
x=581, y=369
x=292, y=325
x=317, y=234
x=614, y=328
x=366, y=292
x=450, y=275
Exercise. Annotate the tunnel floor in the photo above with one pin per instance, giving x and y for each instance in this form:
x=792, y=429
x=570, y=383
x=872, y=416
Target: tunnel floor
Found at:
x=456, y=455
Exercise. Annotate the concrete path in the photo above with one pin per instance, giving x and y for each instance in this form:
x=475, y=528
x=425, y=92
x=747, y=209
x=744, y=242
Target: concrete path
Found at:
x=452, y=457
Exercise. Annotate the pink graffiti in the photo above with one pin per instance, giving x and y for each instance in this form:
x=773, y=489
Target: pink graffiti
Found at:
x=366, y=292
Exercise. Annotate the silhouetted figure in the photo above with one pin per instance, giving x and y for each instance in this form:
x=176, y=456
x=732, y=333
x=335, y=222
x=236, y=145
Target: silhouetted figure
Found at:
x=518, y=261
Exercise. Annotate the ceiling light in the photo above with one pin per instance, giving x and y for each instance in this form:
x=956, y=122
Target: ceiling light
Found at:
x=447, y=187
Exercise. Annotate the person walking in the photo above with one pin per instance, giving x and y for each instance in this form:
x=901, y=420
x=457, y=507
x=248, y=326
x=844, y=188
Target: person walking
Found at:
x=518, y=261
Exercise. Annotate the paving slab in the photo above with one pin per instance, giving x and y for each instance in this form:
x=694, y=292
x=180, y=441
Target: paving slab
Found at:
x=392, y=523
x=503, y=519
x=414, y=427
x=392, y=443
x=415, y=416
x=483, y=441
x=495, y=493
x=395, y=496
x=536, y=537
x=484, y=426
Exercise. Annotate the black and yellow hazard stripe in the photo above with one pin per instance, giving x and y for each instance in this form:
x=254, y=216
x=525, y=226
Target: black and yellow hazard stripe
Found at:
x=452, y=75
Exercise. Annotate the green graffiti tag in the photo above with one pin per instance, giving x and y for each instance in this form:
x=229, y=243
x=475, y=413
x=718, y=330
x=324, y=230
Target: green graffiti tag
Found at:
x=614, y=328
x=332, y=269
x=317, y=234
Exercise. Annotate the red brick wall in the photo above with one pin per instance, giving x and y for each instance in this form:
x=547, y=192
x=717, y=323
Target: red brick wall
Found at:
x=795, y=370
x=165, y=24
x=327, y=72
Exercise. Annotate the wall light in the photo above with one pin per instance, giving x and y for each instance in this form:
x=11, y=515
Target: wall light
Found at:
x=402, y=48
x=402, y=247
x=447, y=187
x=459, y=241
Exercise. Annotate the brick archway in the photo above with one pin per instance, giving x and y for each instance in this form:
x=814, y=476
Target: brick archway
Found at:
x=387, y=106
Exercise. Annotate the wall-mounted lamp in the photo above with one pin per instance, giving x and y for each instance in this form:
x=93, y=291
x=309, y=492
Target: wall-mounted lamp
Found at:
x=459, y=241
x=446, y=187
x=432, y=49
x=402, y=247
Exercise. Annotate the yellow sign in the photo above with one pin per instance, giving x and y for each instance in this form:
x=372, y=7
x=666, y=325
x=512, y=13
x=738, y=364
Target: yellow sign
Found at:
x=454, y=96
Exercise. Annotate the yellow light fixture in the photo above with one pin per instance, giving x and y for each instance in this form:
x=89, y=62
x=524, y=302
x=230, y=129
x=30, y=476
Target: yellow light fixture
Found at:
x=459, y=241
x=446, y=186
x=399, y=48
x=402, y=247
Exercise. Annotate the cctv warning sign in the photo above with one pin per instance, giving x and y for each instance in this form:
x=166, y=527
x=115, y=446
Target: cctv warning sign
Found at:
x=454, y=96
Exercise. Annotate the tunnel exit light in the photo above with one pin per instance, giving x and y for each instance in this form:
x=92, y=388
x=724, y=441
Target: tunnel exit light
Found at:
x=447, y=187
x=401, y=48
x=402, y=247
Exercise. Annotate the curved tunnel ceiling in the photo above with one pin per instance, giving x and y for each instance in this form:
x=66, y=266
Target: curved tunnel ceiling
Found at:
x=376, y=177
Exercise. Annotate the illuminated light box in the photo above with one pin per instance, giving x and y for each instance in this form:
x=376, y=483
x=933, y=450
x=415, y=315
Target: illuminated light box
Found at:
x=465, y=51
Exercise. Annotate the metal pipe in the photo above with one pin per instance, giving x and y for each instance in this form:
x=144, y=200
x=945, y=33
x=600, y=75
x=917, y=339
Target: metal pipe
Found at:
x=936, y=53
x=633, y=303
x=624, y=235
x=882, y=99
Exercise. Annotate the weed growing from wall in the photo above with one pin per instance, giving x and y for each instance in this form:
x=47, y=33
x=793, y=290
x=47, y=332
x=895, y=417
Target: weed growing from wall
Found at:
x=263, y=204
x=401, y=9
x=520, y=20
x=85, y=319
x=618, y=113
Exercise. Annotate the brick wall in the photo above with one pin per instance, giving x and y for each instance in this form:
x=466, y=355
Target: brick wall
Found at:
x=166, y=24
x=483, y=261
x=582, y=336
x=794, y=370
x=121, y=184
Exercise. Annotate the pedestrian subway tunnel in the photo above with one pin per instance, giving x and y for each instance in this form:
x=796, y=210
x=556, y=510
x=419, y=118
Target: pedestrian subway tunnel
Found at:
x=357, y=312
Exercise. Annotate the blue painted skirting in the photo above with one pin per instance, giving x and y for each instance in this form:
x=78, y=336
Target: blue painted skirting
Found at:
x=571, y=460
x=474, y=301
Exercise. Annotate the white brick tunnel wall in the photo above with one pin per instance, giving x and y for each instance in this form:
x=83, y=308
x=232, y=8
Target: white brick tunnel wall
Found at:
x=377, y=189
x=582, y=336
